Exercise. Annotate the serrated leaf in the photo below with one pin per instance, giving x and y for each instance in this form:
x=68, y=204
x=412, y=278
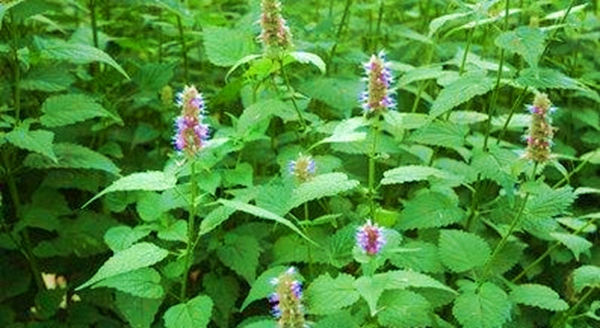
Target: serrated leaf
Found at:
x=122, y=237
x=438, y=22
x=414, y=173
x=326, y=294
x=464, y=89
x=444, y=134
x=39, y=141
x=67, y=109
x=224, y=290
x=239, y=45
x=586, y=276
x=345, y=131
x=47, y=79
x=240, y=253
x=401, y=279
x=76, y=53
x=576, y=244
x=138, y=311
x=144, y=282
x=138, y=256
x=151, y=180
x=424, y=258
x=404, y=309
x=214, y=219
x=309, y=58
x=176, y=231
x=262, y=287
x=547, y=78
x=370, y=289
x=495, y=165
x=320, y=186
x=420, y=73
x=430, y=210
x=538, y=295
x=195, y=313
x=262, y=213
x=462, y=251
x=337, y=93
x=404, y=121
x=75, y=157
x=487, y=307
x=529, y=42
x=547, y=202
x=262, y=111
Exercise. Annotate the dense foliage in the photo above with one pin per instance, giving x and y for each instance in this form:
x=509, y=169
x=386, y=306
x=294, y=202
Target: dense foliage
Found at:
x=316, y=163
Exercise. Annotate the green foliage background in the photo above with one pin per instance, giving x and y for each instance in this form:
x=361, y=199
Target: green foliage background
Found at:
x=92, y=190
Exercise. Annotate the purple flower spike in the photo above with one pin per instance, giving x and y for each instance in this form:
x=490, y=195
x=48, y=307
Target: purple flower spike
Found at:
x=286, y=301
x=370, y=238
x=378, y=96
x=275, y=34
x=303, y=168
x=539, y=137
x=190, y=132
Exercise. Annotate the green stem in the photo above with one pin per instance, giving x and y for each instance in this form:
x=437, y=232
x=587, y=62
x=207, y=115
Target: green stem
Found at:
x=291, y=92
x=183, y=49
x=338, y=35
x=469, y=41
x=375, y=129
x=92, y=6
x=378, y=26
x=511, y=114
x=192, y=240
x=565, y=317
x=570, y=174
x=16, y=68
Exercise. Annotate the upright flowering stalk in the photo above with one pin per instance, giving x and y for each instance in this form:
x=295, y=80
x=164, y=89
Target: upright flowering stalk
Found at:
x=190, y=133
x=286, y=300
x=539, y=138
x=303, y=168
x=377, y=98
x=370, y=238
x=275, y=35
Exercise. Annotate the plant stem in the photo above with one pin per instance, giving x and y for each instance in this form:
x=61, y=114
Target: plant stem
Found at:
x=338, y=34
x=16, y=68
x=565, y=317
x=291, y=92
x=183, y=49
x=375, y=129
x=511, y=114
x=192, y=240
x=469, y=41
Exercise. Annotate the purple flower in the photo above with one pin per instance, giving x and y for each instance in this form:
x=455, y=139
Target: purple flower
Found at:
x=190, y=132
x=539, y=137
x=286, y=300
x=275, y=35
x=378, y=96
x=303, y=168
x=370, y=238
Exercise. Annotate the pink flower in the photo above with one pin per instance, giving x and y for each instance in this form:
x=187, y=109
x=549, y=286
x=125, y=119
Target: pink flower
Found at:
x=286, y=300
x=539, y=138
x=378, y=97
x=275, y=35
x=370, y=238
x=190, y=132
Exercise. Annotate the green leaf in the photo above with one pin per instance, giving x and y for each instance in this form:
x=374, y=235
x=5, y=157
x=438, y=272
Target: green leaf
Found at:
x=404, y=309
x=404, y=121
x=529, y=42
x=138, y=311
x=462, y=251
x=138, y=256
x=576, y=244
x=76, y=53
x=262, y=111
x=586, y=276
x=444, y=134
x=122, y=237
x=495, y=165
x=413, y=173
x=337, y=93
x=144, y=282
x=462, y=90
x=151, y=180
x=214, y=219
x=67, y=109
x=547, y=202
x=487, y=307
x=424, y=258
x=224, y=290
x=430, y=210
x=175, y=231
x=39, y=141
x=320, y=186
x=402, y=279
x=195, y=313
x=47, y=79
x=326, y=295
x=538, y=295
x=547, y=78
x=370, y=289
x=420, y=73
x=262, y=213
x=72, y=156
x=309, y=58
x=238, y=44
x=345, y=131
x=240, y=253
x=262, y=287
